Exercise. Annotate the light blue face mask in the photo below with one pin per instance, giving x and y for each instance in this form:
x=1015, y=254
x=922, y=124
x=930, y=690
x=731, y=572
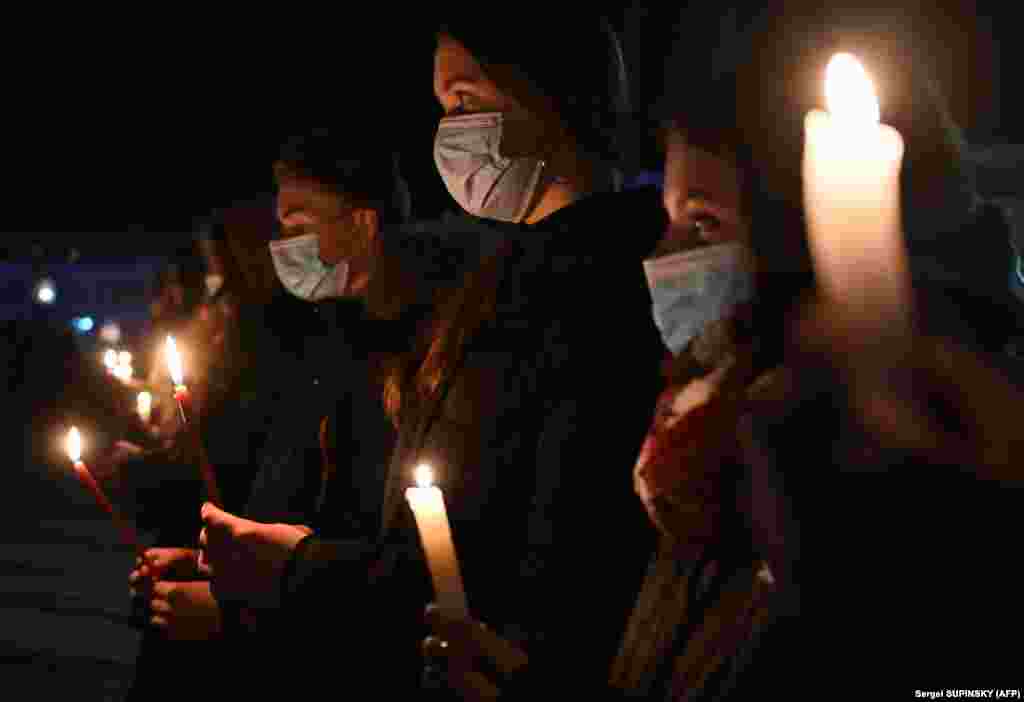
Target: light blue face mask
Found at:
x=694, y=288
x=303, y=274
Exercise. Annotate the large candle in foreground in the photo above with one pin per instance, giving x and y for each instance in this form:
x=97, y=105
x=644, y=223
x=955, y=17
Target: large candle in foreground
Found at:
x=427, y=505
x=851, y=173
x=177, y=372
x=74, y=449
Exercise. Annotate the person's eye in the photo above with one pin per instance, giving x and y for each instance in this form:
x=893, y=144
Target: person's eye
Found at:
x=705, y=224
x=460, y=108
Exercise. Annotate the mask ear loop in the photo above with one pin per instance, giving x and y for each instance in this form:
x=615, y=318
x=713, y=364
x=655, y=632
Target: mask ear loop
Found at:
x=535, y=191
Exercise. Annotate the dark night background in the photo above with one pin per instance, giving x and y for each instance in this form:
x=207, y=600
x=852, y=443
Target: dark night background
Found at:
x=143, y=128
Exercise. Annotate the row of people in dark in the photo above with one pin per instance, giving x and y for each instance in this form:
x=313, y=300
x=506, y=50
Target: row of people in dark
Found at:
x=672, y=470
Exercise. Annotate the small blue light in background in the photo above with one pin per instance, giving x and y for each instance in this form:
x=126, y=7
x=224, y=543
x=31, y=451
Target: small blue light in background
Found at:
x=83, y=324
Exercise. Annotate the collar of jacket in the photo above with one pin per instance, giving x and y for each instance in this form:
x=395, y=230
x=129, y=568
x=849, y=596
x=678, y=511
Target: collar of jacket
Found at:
x=626, y=224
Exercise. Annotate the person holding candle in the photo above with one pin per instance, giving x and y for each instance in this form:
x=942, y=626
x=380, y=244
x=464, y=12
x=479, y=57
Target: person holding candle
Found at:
x=500, y=401
x=362, y=279
x=786, y=504
x=708, y=587
x=227, y=342
x=865, y=423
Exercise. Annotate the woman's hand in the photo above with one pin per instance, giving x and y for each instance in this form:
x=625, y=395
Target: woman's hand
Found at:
x=162, y=564
x=246, y=559
x=481, y=665
x=926, y=395
x=184, y=611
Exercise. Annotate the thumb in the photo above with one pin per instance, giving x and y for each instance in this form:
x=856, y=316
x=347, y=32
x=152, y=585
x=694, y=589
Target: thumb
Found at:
x=212, y=515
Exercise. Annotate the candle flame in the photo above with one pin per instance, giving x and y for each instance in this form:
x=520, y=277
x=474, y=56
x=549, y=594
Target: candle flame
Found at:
x=174, y=362
x=145, y=402
x=849, y=92
x=424, y=475
x=110, y=359
x=74, y=445
x=125, y=358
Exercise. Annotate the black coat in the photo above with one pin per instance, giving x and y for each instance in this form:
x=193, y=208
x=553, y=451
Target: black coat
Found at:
x=534, y=446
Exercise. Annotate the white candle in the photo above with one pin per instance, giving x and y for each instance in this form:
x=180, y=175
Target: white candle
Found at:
x=144, y=405
x=851, y=173
x=427, y=503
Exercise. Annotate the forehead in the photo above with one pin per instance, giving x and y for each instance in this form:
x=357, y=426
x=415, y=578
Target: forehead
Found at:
x=454, y=62
x=295, y=187
x=684, y=159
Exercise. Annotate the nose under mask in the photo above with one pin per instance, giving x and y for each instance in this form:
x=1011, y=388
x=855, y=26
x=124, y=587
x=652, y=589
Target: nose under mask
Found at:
x=303, y=274
x=692, y=289
x=467, y=152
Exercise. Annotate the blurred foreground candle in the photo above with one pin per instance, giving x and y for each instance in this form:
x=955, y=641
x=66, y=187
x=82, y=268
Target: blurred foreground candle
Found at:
x=177, y=372
x=427, y=503
x=144, y=406
x=851, y=172
x=74, y=449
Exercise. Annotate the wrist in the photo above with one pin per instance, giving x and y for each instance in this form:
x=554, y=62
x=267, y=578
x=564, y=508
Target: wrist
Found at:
x=291, y=566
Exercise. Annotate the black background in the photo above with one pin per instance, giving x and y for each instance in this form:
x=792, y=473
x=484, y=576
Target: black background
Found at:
x=120, y=125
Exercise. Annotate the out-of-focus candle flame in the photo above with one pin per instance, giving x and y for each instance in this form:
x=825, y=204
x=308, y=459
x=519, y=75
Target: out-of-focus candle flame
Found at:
x=174, y=362
x=145, y=405
x=424, y=476
x=74, y=445
x=125, y=358
x=849, y=92
x=110, y=359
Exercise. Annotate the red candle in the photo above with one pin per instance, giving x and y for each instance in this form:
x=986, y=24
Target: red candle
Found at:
x=74, y=447
x=181, y=397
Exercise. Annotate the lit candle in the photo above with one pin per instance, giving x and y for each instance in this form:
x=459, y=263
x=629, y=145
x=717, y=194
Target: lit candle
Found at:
x=176, y=371
x=124, y=358
x=74, y=448
x=851, y=172
x=175, y=368
x=144, y=405
x=110, y=360
x=427, y=503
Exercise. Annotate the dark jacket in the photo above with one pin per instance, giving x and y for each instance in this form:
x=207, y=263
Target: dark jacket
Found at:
x=533, y=446
x=326, y=460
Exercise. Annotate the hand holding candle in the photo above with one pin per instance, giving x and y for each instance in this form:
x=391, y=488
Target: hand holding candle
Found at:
x=851, y=173
x=427, y=505
x=74, y=449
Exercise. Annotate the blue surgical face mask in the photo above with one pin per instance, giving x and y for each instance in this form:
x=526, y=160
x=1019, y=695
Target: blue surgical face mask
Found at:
x=695, y=288
x=303, y=274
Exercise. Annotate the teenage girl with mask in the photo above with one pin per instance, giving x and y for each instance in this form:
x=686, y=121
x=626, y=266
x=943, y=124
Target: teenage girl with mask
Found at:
x=530, y=398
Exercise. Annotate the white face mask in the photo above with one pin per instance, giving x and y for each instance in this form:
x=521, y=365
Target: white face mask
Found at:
x=214, y=282
x=467, y=151
x=694, y=288
x=303, y=274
